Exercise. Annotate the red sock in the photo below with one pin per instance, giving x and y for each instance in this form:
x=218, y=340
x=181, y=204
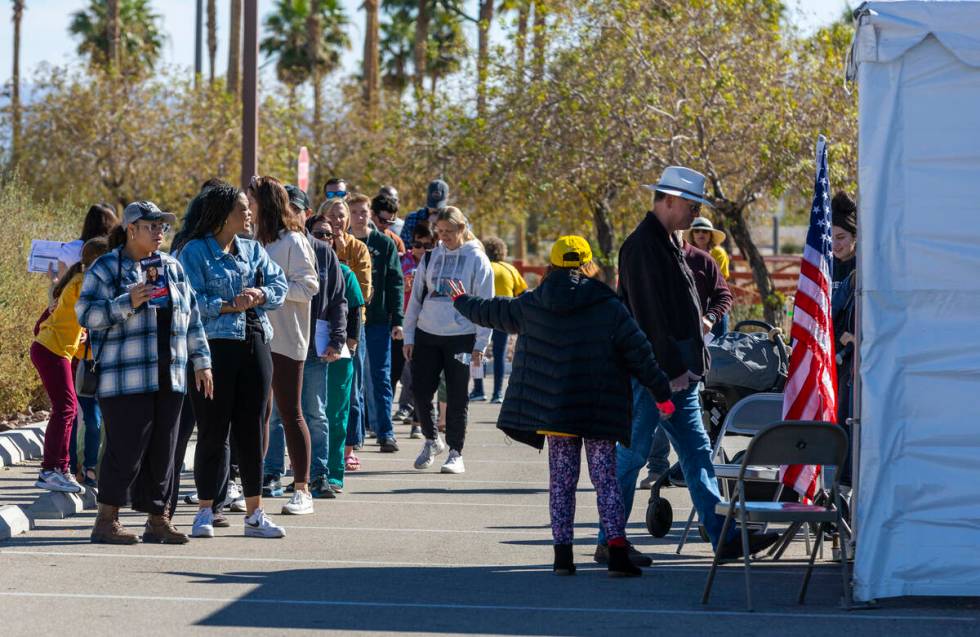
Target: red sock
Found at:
x=618, y=542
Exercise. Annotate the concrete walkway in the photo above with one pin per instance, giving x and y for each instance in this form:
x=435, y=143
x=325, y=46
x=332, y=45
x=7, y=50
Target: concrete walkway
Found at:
x=408, y=552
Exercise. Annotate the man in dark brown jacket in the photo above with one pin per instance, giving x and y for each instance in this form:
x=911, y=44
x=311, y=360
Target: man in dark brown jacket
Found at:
x=659, y=289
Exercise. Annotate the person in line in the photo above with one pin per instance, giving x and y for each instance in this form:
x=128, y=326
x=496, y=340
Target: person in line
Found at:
x=844, y=237
x=237, y=285
x=436, y=200
x=384, y=321
x=335, y=188
x=397, y=224
x=573, y=314
x=99, y=221
x=715, y=300
x=58, y=339
x=439, y=339
x=384, y=216
x=357, y=257
x=422, y=243
x=657, y=286
x=329, y=306
x=284, y=238
x=143, y=353
x=340, y=374
x=705, y=237
x=507, y=282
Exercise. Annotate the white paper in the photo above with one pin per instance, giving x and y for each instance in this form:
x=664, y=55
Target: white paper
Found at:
x=708, y=338
x=322, y=340
x=44, y=255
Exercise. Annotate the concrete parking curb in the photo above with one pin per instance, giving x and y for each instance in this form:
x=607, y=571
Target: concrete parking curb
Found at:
x=23, y=443
x=13, y=521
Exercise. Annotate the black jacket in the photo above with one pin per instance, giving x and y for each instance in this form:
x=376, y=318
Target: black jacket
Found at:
x=658, y=288
x=578, y=347
x=330, y=303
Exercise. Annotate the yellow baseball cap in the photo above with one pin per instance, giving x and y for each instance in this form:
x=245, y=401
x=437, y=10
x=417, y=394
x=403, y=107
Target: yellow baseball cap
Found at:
x=570, y=252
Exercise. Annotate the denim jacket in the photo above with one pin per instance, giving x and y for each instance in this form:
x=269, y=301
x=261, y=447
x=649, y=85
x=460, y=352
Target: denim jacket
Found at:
x=125, y=340
x=218, y=277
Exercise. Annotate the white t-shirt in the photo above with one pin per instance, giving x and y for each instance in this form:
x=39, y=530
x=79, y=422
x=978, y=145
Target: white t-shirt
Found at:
x=71, y=252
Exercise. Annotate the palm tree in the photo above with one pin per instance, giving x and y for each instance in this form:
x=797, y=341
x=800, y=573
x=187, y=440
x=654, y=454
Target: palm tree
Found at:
x=112, y=33
x=447, y=47
x=483, y=55
x=212, y=37
x=422, y=17
x=139, y=36
x=234, y=46
x=397, y=46
x=372, y=55
x=286, y=42
x=15, y=80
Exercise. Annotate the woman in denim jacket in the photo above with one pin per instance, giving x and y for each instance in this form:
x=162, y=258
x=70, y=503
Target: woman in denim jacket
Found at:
x=142, y=338
x=236, y=283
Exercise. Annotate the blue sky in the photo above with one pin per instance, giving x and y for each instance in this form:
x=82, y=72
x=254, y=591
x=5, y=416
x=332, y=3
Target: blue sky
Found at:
x=46, y=39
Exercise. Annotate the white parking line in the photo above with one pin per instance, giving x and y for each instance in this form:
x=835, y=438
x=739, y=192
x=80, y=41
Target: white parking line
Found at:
x=486, y=607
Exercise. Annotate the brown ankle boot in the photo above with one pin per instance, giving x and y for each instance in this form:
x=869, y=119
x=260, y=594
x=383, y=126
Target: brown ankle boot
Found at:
x=108, y=530
x=159, y=529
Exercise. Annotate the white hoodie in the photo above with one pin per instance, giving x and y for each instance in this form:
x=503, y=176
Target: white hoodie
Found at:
x=435, y=313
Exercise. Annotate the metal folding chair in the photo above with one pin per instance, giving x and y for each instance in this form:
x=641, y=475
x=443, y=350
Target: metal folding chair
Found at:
x=784, y=443
x=747, y=417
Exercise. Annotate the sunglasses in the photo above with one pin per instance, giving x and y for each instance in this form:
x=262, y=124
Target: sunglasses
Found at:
x=421, y=245
x=695, y=207
x=323, y=235
x=385, y=222
x=155, y=228
x=336, y=194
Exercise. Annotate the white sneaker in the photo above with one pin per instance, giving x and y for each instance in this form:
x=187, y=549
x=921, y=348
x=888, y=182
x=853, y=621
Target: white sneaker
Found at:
x=234, y=500
x=454, y=463
x=300, y=504
x=440, y=444
x=430, y=450
x=257, y=525
x=54, y=480
x=203, y=523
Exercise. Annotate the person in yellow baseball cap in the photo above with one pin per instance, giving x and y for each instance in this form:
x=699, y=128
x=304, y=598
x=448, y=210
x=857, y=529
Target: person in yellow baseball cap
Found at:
x=577, y=350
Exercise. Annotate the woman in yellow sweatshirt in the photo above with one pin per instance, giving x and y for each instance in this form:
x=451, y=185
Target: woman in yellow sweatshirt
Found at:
x=58, y=339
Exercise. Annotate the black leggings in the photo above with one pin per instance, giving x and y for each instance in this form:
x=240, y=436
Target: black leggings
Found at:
x=140, y=437
x=242, y=379
x=431, y=356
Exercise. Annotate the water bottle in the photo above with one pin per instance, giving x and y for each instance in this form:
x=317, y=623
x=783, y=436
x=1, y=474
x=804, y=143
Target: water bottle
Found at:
x=465, y=358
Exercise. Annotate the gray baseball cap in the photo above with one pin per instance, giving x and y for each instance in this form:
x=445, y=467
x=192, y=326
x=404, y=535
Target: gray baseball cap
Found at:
x=146, y=211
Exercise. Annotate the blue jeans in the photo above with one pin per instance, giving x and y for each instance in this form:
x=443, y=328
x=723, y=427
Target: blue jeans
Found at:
x=686, y=432
x=498, y=340
x=314, y=403
x=355, y=421
x=88, y=428
x=378, y=394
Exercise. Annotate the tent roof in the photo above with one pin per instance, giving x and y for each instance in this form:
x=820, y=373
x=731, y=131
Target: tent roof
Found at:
x=888, y=29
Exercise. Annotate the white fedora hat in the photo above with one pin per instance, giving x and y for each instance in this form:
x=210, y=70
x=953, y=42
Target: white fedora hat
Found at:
x=681, y=182
x=702, y=223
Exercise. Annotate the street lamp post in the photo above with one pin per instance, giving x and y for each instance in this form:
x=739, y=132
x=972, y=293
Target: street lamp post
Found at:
x=250, y=107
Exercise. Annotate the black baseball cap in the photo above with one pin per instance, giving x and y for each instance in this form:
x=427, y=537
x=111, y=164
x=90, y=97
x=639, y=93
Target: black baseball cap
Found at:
x=437, y=194
x=297, y=197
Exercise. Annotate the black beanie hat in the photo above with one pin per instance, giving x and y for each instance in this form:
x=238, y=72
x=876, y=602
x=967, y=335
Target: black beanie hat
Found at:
x=844, y=212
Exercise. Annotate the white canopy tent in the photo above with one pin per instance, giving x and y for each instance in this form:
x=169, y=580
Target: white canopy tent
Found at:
x=918, y=498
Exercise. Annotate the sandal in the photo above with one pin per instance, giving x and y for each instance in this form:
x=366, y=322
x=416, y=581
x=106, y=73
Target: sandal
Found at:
x=352, y=463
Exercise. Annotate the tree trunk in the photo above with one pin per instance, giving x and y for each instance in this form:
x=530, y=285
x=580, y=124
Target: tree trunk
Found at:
x=234, y=47
x=540, y=39
x=372, y=57
x=420, y=51
x=772, y=306
x=112, y=32
x=434, y=81
x=15, y=81
x=520, y=46
x=605, y=233
x=212, y=37
x=313, y=36
x=483, y=55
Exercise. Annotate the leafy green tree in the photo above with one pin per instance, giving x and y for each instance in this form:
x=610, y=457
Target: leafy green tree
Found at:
x=140, y=36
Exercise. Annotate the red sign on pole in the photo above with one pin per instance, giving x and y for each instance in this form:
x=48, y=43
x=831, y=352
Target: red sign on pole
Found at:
x=303, y=170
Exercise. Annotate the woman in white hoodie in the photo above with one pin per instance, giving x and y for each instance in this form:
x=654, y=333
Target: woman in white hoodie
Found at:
x=284, y=238
x=438, y=339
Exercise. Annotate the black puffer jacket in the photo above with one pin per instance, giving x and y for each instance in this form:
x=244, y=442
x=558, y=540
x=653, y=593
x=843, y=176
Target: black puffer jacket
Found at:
x=576, y=350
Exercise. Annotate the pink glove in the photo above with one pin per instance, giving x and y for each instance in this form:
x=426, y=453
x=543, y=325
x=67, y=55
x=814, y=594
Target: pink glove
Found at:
x=667, y=408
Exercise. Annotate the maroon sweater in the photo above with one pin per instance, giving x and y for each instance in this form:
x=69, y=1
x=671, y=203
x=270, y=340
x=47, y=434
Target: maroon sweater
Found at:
x=713, y=292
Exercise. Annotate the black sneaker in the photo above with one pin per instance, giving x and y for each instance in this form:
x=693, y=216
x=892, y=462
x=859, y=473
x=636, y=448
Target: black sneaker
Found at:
x=388, y=445
x=403, y=415
x=478, y=397
x=320, y=488
x=639, y=559
x=272, y=487
x=758, y=542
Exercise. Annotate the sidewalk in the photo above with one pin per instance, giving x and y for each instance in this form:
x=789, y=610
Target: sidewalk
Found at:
x=408, y=552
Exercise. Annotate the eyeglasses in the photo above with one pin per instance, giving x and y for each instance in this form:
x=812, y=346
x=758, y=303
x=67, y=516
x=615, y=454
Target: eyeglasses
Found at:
x=155, y=228
x=421, y=245
x=336, y=194
x=323, y=235
x=695, y=207
x=385, y=222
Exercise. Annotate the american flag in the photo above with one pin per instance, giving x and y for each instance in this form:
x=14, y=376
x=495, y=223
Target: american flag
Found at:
x=811, y=390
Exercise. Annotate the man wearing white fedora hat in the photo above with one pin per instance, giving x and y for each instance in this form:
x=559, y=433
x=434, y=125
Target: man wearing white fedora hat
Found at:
x=658, y=287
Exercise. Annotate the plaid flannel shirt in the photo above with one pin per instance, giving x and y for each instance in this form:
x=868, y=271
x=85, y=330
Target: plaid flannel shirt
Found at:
x=125, y=340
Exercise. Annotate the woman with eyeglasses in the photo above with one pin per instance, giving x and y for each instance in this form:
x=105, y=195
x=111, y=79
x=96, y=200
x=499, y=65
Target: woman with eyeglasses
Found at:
x=438, y=339
x=284, y=238
x=237, y=286
x=142, y=351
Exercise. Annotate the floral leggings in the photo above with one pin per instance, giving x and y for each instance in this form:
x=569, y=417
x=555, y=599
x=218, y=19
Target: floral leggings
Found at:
x=564, y=461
